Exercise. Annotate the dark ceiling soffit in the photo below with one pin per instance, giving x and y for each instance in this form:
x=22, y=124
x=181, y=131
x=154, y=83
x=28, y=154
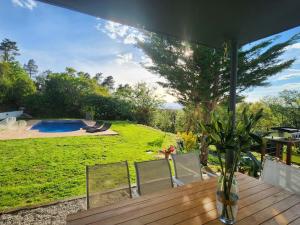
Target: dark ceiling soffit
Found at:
x=206, y=22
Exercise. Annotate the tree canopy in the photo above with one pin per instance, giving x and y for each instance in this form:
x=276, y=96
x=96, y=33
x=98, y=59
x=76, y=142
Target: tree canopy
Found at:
x=15, y=85
x=8, y=50
x=199, y=75
x=31, y=68
x=142, y=98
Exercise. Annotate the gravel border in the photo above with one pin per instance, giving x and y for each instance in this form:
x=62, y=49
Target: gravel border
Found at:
x=44, y=215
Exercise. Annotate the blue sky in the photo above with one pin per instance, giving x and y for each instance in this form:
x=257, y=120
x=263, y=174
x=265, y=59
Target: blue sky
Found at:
x=55, y=38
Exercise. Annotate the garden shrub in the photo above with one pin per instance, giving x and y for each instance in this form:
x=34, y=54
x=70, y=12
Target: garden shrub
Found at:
x=189, y=140
x=108, y=108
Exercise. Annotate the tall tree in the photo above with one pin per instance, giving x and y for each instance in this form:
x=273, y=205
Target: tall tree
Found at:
x=142, y=98
x=98, y=77
x=31, y=68
x=108, y=82
x=15, y=85
x=199, y=75
x=286, y=107
x=8, y=50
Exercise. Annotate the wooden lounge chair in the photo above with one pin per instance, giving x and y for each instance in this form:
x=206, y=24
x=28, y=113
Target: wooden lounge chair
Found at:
x=105, y=127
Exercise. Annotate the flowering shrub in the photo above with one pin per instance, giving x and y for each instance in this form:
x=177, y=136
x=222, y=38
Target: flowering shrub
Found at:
x=189, y=140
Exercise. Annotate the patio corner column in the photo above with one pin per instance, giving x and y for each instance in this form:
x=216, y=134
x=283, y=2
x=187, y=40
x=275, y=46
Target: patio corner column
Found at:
x=232, y=98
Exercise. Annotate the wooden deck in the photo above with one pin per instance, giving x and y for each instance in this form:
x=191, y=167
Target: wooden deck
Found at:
x=194, y=204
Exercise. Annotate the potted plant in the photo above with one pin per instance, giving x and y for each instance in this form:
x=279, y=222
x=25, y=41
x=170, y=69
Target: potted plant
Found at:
x=235, y=138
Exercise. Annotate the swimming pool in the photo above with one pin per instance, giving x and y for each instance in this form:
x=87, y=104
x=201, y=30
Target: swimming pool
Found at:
x=53, y=126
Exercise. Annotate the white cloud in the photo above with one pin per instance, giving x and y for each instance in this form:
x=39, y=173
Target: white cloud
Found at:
x=127, y=73
x=119, y=32
x=29, y=4
x=258, y=93
x=293, y=46
x=287, y=75
x=146, y=61
x=124, y=58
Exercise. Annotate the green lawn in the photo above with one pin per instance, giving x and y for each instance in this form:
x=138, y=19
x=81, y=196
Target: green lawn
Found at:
x=34, y=171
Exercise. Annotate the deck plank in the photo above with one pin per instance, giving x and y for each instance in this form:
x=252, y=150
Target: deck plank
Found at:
x=207, y=201
x=286, y=217
x=155, y=199
x=271, y=211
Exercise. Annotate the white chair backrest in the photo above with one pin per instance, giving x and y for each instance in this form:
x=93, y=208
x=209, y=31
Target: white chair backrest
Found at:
x=281, y=175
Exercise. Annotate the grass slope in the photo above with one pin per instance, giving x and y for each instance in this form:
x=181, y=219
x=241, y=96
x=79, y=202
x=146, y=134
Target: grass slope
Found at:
x=34, y=171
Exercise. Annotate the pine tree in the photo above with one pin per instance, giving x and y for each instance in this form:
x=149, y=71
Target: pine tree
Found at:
x=31, y=68
x=108, y=82
x=8, y=50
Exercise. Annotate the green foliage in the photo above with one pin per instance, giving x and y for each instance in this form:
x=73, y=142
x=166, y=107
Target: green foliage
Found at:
x=165, y=119
x=228, y=137
x=285, y=107
x=62, y=94
x=108, y=108
x=8, y=50
x=43, y=170
x=108, y=82
x=199, y=75
x=268, y=120
x=143, y=100
x=15, y=84
x=189, y=141
x=31, y=68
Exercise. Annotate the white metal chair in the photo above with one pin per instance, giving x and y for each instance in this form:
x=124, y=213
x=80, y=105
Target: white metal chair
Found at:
x=281, y=175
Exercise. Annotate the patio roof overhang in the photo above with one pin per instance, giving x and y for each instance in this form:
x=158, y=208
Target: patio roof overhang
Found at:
x=209, y=22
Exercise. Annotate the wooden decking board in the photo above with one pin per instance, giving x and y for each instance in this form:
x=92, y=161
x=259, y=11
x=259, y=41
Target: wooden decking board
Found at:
x=295, y=222
x=111, y=213
x=260, y=203
x=151, y=203
x=186, y=215
x=140, y=200
x=243, y=186
x=252, y=199
x=172, y=212
x=152, y=212
x=286, y=217
x=146, y=198
x=271, y=211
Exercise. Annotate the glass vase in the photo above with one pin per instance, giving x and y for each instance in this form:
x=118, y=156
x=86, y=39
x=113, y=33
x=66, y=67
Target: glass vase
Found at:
x=227, y=199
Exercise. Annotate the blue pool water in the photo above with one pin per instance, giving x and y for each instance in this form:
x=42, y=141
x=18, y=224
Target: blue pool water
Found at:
x=52, y=126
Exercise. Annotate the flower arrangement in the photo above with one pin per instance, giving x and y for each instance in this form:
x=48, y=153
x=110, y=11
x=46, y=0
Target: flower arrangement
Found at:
x=168, y=151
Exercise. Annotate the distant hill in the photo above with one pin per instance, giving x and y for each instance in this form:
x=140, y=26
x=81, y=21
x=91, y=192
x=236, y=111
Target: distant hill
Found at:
x=172, y=105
